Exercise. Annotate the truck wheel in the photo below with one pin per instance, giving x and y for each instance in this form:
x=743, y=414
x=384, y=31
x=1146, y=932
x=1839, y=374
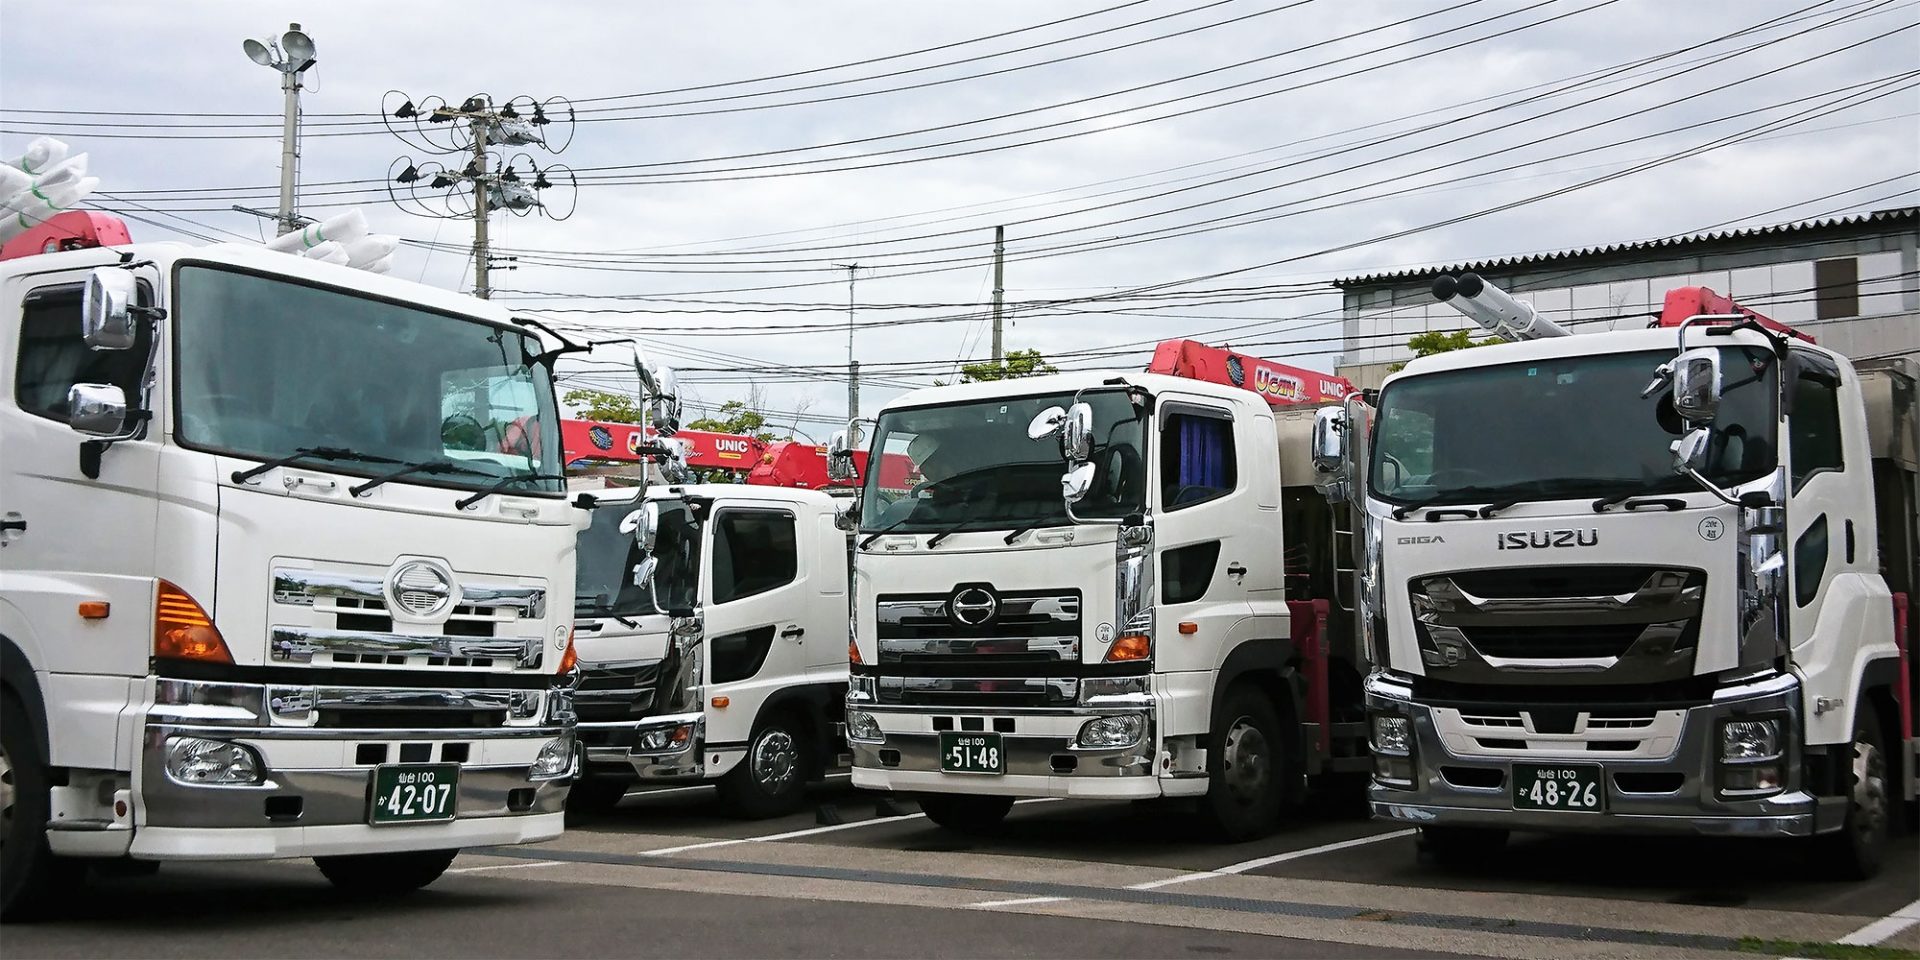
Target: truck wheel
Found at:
x=593, y=796
x=1246, y=767
x=771, y=780
x=385, y=874
x=1855, y=851
x=32, y=879
x=965, y=813
x=1461, y=846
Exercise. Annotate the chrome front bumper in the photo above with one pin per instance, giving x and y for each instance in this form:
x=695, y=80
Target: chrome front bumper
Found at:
x=315, y=778
x=1687, y=803
x=1041, y=757
x=616, y=748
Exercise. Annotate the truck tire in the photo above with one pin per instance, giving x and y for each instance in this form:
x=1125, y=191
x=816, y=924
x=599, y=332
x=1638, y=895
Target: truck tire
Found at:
x=1855, y=851
x=1460, y=846
x=385, y=874
x=965, y=813
x=593, y=796
x=1246, y=767
x=771, y=780
x=32, y=879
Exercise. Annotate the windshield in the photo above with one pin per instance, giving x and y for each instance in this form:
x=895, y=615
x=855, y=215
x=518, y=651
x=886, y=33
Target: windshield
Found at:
x=269, y=367
x=603, y=567
x=676, y=552
x=975, y=462
x=1565, y=427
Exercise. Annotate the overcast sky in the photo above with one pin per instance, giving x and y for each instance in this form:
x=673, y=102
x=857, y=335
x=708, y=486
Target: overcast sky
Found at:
x=1190, y=146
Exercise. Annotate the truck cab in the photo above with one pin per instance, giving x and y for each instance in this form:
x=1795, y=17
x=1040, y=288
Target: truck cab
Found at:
x=712, y=628
x=280, y=568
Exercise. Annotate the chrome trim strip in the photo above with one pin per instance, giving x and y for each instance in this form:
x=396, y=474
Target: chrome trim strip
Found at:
x=299, y=644
x=1057, y=648
x=304, y=587
x=1060, y=609
x=1663, y=588
x=1056, y=691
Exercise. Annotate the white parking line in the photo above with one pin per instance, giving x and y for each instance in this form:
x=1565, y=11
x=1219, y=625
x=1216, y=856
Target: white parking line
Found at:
x=1022, y=902
x=809, y=832
x=1884, y=928
x=1255, y=864
x=508, y=866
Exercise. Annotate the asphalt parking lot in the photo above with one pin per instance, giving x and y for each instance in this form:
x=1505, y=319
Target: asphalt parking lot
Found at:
x=664, y=875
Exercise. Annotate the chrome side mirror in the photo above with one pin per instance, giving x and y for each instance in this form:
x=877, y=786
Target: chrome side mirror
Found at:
x=644, y=525
x=846, y=515
x=1330, y=452
x=1697, y=384
x=1047, y=423
x=97, y=410
x=664, y=405
x=840, y=457
x=1076, y=434
x=1075, y=483
x=107, y=319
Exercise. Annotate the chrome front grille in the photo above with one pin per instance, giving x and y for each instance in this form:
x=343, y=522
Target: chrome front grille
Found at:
x=1033, y=628
x=347, y=617
x=1625, y=623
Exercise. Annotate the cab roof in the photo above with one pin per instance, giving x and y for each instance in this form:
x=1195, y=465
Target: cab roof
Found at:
x=1155, y=383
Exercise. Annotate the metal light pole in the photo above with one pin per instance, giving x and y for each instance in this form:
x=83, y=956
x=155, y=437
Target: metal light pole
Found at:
x=853, y=366
x=292, y=55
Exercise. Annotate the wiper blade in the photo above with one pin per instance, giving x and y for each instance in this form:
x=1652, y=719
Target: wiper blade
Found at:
x=1493, y=508
x=502, y=484
x=428, y=466
x=1462, y=495
x=948, y=532
x=305, y=453
x=1020, y=531
x=883, y=531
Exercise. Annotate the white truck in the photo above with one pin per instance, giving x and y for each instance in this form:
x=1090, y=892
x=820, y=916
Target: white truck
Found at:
x=1595, y=604
x=712, y=631
x=1161, y=621
x=283, y=547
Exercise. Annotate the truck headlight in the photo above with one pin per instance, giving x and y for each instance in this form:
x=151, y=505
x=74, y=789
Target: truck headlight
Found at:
x=665, y=739
x=1106, y=733
x=1392, y=735
x=862, y=727
x=1749, y=740
x=196, y=761
x=555, y=760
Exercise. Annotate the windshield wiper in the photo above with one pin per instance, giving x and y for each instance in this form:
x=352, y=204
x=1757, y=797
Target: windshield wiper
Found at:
x=883, y=531
x=1458, y=496
x=428, y=466
x=1020, y=531
x=502, y=484
x=950, y=531
x=303, y=453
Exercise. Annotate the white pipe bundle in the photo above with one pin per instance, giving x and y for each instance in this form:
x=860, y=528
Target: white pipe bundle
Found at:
x=328, y=251
x=342, y=228
x=341, y=239
x=41, y=154
x=42, y=182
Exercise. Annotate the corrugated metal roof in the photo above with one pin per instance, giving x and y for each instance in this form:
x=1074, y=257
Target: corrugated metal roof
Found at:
x=1504, y=263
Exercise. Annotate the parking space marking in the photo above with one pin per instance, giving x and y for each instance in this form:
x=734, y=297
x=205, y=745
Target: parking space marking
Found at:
x=809, y=832
x=1885, y=928
x=1022, y=902
x=1258, y=862
x=506, y=866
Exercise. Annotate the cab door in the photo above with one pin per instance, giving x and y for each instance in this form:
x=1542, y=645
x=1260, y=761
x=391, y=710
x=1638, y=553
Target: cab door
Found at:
x=1210, y=556
x=755, y=602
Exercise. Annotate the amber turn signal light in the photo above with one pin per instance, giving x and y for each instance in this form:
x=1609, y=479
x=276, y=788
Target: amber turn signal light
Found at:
x=853, y=652
x=95, y=610
x=1189, y=628
x=1132, y=646
x=182, y=630
x=721, y=702
x=569, y=659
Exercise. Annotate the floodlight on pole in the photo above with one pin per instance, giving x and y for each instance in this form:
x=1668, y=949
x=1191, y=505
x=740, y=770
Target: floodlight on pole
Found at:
x=291, y=55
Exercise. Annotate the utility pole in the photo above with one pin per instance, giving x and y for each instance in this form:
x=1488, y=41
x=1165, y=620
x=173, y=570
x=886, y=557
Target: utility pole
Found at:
x=482, y=288
x=853, y=366
x=291, y=55
x=999, y=288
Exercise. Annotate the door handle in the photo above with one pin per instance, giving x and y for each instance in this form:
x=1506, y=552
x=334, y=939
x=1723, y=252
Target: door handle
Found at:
x=1236, y=571
x=792, y=633
x=20, y=525
x=12, y=527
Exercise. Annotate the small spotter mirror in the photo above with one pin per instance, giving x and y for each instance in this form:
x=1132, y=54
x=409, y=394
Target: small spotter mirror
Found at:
x=1692, y=451
x=643, y=571
x=846, y=515
x=1075, y=483
x=1047, y=423
x=107, y=320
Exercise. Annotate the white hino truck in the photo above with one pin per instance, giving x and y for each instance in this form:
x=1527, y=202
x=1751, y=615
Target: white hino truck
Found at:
x=712, y=634
x=284, y=553
x=1104, y=586
x=1598, y=604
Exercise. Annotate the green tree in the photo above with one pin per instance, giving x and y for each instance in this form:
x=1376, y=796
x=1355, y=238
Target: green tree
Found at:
x=1435, y=341
x=1019, y=363
x=604, y=407
x=736, y=417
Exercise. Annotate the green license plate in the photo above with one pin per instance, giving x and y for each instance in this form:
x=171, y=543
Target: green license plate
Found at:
x=972, y=753
x=414, y=792
x=1575, y=787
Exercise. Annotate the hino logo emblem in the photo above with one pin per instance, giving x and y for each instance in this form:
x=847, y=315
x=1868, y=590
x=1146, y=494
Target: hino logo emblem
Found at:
x=973, y=606
x=1542, y=539
x=423, y=589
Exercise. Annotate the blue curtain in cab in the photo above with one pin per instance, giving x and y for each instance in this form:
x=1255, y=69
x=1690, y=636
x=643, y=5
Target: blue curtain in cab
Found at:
x=1203, y=452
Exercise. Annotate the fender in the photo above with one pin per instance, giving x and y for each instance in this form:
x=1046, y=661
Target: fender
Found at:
x=816, y=702
x=1273, y=657
x=17, y=677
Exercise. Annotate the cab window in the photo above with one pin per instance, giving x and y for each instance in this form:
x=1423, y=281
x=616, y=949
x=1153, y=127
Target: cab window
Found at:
x=53, y=357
